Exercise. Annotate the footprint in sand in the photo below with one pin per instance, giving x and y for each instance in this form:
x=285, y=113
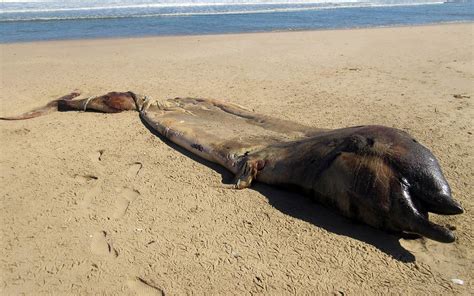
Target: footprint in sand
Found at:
x=141, y=287
x=134, y=169
x=96, y=156
x=100, y=245
x=92, y=185
x=124, y=199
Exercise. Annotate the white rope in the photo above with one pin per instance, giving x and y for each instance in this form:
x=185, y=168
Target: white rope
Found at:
x=87, y=102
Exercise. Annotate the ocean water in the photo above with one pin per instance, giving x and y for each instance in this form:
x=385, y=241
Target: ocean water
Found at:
x=22, y=21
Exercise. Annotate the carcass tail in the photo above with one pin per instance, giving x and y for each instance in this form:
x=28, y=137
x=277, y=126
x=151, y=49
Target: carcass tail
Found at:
x=48, y=108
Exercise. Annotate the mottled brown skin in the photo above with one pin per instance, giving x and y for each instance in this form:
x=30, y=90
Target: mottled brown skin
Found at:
x=113, y=102
x=378, y=175
x=374, y=174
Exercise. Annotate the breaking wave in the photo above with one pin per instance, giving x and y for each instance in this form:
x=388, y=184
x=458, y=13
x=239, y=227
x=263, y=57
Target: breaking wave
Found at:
x=54, y=11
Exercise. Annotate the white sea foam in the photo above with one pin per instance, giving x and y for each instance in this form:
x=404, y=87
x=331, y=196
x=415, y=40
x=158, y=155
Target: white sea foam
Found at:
x=237, y=9
x=71, y=6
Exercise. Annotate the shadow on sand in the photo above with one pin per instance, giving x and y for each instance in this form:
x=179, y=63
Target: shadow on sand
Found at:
x=304, y=208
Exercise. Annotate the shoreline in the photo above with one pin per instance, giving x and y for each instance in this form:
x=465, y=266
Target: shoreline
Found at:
x=243, y=33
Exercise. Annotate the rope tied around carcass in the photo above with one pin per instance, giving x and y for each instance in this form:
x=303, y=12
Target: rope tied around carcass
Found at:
x=84, y=108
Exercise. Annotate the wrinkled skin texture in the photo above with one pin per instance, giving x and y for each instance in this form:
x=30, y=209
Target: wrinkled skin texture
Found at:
x=374, y=174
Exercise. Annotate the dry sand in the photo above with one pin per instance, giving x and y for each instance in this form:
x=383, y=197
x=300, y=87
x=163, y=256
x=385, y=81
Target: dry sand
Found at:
x=96, y=204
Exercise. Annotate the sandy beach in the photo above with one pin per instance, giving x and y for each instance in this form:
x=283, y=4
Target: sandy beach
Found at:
x=97, y=204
